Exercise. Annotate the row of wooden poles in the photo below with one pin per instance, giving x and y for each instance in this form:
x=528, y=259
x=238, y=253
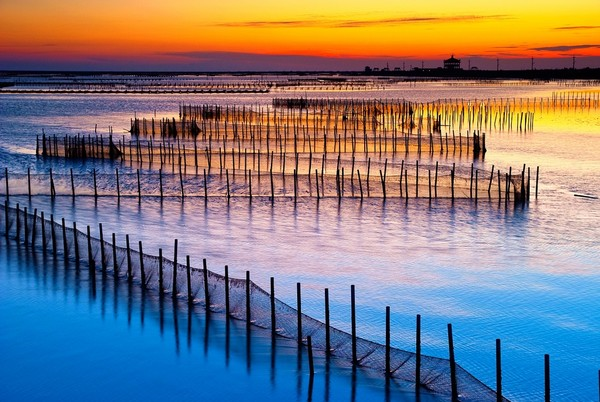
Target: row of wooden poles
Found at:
x=521, y=188
x=300, y=140
x=378, y=114
x=29, y=241
x=279, y=139
x=161, y=86
x=373, y=116
x=125, y=87
x=576, y=99
x=322, y=132
x=176, y=154
x=395, y=121
x=456, y=114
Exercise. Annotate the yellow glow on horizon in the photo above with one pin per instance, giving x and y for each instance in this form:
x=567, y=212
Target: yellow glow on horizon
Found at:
x=428, y=29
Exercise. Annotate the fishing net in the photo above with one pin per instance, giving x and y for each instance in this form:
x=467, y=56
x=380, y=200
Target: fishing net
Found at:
x=226, y=295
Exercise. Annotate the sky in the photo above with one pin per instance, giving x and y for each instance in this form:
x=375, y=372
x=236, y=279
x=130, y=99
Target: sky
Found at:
x=268, y=35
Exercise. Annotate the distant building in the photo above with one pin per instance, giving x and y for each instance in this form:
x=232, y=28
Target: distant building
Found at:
x=452, y=63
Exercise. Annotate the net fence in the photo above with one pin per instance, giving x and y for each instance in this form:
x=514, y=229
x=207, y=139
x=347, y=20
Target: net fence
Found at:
x=240, y=298
x=327, y=178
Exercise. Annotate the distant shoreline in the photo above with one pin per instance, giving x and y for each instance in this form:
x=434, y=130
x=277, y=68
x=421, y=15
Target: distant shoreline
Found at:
x=426, y=74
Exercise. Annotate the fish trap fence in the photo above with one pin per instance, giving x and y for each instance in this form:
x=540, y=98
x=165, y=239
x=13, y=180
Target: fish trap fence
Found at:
x=304, y=178
x=238, y=298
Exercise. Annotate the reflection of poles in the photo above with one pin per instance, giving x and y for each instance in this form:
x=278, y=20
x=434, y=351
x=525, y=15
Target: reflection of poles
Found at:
x=227, y=339
x=176, y=324
x=206, y=331
x=161, y=310
x=189, y=328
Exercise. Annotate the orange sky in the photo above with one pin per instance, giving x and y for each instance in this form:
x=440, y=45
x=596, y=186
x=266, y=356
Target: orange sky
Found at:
x=195, y=33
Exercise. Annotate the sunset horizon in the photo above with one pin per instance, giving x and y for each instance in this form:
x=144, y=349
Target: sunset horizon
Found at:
x=297, y=36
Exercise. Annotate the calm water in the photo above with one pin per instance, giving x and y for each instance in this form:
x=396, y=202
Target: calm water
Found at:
x=528, y=276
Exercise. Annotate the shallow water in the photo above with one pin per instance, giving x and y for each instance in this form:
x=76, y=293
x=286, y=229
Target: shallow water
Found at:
x=525, y=275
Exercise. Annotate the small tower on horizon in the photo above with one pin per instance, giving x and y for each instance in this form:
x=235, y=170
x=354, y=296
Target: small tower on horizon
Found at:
x=452, y=63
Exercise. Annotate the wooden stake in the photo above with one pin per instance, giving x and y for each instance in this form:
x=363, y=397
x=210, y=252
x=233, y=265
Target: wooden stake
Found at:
x=161, y=287
x=53, y=234
x=188, y=270
x=118, y=186
x=142, y=270
x=206, y=294
x=273, y=316
x=452, y=365
x=64, y=233
x=174, y=285
x=226, y=291
x=129, y=264
x=387, y=342
x=95, y=185
x=75, y=243
x=537, y=176
x=547, y=378
x=29, y=181
x=248, y=311
x=418, y=356
x=139, y=186
x=6, y=225
x=299, y=309
x=8, y=193
x=327, y=324
x=353, y=317
x=102, y=251
x=498, y=372
x=114, y=254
